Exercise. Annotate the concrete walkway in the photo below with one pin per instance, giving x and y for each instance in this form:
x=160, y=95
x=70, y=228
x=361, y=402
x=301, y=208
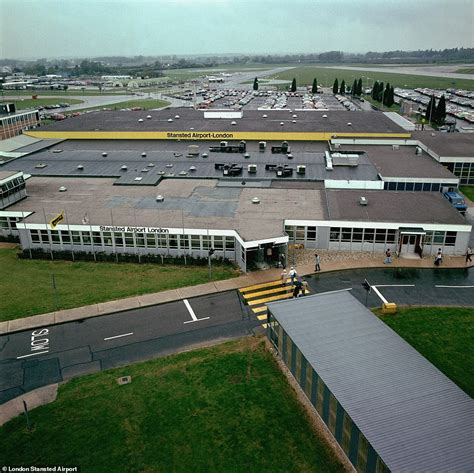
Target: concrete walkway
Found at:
x=342, y=261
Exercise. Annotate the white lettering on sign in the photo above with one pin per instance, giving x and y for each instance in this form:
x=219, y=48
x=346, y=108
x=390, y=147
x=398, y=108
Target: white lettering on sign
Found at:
x=38, y=340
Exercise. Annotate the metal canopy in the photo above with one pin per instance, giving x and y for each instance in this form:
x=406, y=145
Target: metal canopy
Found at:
x=411, y=231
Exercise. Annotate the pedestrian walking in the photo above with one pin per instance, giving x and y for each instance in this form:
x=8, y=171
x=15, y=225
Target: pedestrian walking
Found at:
x=388, y=256
x=284, y=277
x=468, y=255
x=438, y=258
x=298, y=287
x=293, y=275
x=317, y=262
x=283, y=260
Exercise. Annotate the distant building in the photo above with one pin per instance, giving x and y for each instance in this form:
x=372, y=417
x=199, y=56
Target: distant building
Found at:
x=13, y=123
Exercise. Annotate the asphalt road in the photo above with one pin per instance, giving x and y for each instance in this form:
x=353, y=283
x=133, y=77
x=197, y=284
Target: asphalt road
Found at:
x=35, y=358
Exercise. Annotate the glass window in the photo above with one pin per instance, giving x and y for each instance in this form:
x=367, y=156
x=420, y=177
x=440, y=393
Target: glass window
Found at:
x=184, y=242
x=311, y=234
x=162, y=240
x=44, y=236
x=391, y=236
x=140, y=240
x=129, y=240
x=86, y=238
x=346, y=234
x=291, y=232
x=118, y=236
x=427, y=186
x=409, y=186
x=435, y=187
x=229, y=243
x=195, y=242
x=299, y=233
x=438, y=238
x=76, y=238
x=450, y=239
x=150, y=240
x=107, y=238
x=428, y=238
x=334, y=234
x=97, y=238
x=357, y=234
x=206, y=242
x=35, y=236
x=380, y=236
x=173, y=241
x=369, y=235
x=65, y=237
x=218, y=243
x=3, y=222
x=400, y=186
x=418, y=186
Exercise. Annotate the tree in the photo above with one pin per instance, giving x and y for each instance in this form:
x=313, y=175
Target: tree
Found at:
x=335, y=87
x=430, y=109
x=375, y=90
x=440, y=114
x=314, y=89
x=391, y=97
x=359, y=87
x=255, y=83
x=342, y=90
x=354, y=88
x=293, y=85
x=379, y=92
x=386, y=94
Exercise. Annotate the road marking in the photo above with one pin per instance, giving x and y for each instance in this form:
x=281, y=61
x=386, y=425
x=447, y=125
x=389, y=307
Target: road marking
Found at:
x=395, y=285
x=457, y=287
x=119, y=336
x=32, y=354
x=191, y=312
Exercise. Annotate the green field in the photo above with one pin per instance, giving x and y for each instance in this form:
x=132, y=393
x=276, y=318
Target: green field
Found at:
x=24, y=104
x=221, y=409
x=305, y=75
x=83, y=283
x=468, y=191
x=465, y=70
x=445, y=336
x=64, y=93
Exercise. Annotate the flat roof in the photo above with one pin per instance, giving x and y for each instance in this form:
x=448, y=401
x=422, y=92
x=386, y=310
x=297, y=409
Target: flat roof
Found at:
x=414, y=417
x=201, y=203
x=63, y=158
x=402, y=162
x=6, y=174
x=447, y=144
x=392, y=206
x=252, y=121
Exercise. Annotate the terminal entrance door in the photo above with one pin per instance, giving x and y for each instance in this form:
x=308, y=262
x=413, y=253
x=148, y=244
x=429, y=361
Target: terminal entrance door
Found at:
x=410, y=243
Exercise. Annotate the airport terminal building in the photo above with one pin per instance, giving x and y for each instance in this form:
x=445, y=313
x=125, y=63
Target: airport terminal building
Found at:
x=247, y=197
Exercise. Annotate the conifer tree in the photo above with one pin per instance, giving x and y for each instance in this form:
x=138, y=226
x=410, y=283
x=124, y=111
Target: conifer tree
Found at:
x=335, y=87
x=342, y=90
x=255, y=84
x=293, y=85
x=314, y=89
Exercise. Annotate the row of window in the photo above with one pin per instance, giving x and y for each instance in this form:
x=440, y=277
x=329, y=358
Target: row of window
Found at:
x=8, y=223
x=415, y=186
x=12, y=187
x=133, y=240
x=465, y=172
x=355, y=445
x=300, y=233
x=24, y=118
x=366, y=235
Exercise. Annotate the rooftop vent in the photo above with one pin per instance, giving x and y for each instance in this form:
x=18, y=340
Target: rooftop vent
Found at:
x=255, y=200
x=40, y=165
x=170, y=120
x=124, y=168
x=363, y=201
x=246, y=156
x=80, y=166
x=138, y=179
x=349, y=124
x=192, y=168
x=282, y=123
x=104, y=154
x=204, y=155
x=233, y=123
x=177, y=117
x=289, y=156
x=148, y=117
x=293, y=121
x=325, y=116
x=264, y=115
x=295, y=116
x=301, y=169
x=252, y=168
x=183, y=173
x=169, y=165
x=395, y=146
x=192, y=128
x=262, y=145
x=418, y=150
x=140, y=120
x=145, y=170
x=62, y=189
x=160, y=198
x=143, y=155
x=151, y=165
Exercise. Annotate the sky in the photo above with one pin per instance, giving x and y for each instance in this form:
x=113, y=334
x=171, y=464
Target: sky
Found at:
x=90, y=28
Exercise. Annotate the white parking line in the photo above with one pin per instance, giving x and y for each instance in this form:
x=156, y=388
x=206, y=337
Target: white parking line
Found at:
x=119, y=336
x=32, y=354
x=457, y=287
x=191, y=312
x=395, y=285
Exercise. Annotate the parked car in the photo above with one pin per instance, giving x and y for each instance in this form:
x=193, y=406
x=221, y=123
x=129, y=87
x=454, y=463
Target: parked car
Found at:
x=456, y=201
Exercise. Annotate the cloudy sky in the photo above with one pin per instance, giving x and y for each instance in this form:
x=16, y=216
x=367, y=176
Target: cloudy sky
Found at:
x=75, y=28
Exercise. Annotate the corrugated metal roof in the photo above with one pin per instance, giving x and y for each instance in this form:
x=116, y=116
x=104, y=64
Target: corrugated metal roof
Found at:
x=415, y=418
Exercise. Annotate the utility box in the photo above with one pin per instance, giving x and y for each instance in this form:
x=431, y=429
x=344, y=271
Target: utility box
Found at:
x=193, y=150
x=262, y=145
x=301, y=169
x=252, y=168
x=389, y=308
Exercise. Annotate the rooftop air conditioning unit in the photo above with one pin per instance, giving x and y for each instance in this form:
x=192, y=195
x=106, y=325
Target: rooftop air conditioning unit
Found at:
x=337, y=145
x=223, y=144
x=252, y=168
x=160, y=198
x=255, y=200
x=262, y=145
x=301, y=169
x=124, y=168
x=363, y=201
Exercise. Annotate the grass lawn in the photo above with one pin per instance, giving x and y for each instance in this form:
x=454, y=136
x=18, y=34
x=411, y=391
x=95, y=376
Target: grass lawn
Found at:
x=468, y=191
x=445, y=336
x=23, y=104
x=465, y=70
x=146, y=104
x=227, y=408
x=305, y=75
x=28, y=283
